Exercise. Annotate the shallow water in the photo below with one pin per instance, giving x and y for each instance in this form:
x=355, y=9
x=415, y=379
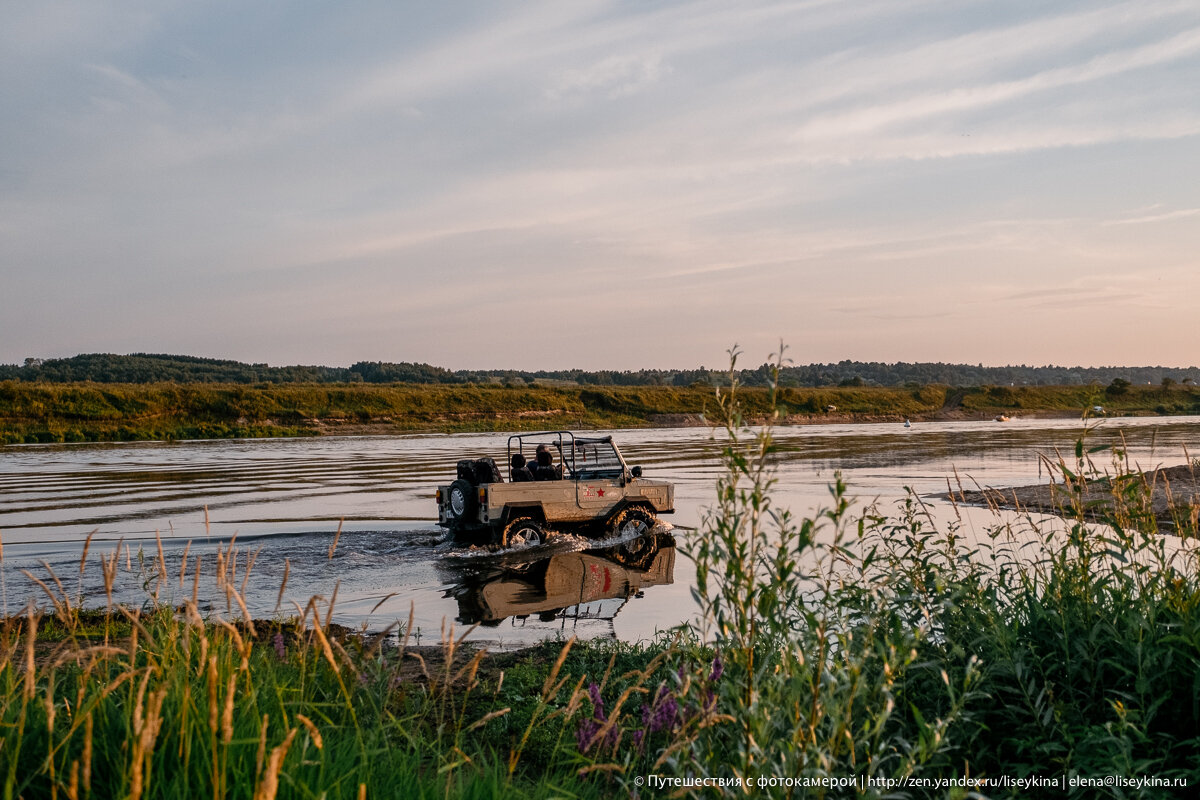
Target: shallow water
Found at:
x=284, y=501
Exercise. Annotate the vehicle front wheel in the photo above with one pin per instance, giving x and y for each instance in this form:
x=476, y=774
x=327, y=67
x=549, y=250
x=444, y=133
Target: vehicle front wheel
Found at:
x=634, y=522
x=523, y=531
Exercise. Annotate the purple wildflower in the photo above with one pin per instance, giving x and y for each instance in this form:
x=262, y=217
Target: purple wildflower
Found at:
x=587, y=731
x=597, y=701
x=718, y=667
x=280, y=648
x=665, y=714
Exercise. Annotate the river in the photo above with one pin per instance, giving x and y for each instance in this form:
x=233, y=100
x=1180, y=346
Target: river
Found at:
x=285, y=499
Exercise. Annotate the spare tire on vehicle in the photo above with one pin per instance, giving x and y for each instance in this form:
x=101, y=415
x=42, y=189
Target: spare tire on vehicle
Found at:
x=461, y=503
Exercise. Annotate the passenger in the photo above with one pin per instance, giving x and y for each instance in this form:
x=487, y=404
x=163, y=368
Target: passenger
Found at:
x=545, y=470
x=520, y=472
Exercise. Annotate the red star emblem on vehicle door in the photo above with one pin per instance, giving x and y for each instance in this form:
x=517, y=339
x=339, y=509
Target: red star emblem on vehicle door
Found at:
x=600, y=493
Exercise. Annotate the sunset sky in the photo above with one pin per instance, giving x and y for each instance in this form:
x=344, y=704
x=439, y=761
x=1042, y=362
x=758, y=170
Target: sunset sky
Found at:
x=602, y=184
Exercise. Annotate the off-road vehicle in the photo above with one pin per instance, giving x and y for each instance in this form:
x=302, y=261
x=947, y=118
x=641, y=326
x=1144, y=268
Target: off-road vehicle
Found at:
x=587, y=488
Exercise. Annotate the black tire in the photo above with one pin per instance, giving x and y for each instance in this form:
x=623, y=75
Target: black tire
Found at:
x=634, y=523
x=523, y=531
x=461, y=503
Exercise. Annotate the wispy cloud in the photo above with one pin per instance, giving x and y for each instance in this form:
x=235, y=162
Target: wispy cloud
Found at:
x=612, y=77
x=1166, y=216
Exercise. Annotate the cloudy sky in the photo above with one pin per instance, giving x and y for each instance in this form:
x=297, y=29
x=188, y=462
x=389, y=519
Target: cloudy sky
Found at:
x=602, y=184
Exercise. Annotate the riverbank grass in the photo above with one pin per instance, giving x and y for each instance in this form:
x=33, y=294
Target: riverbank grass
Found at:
x=88, y=412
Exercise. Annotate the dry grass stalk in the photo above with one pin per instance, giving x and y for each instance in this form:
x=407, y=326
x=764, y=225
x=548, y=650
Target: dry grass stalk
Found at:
x=332, y=600
x=378, y=639
x=147, y=721
x=187, y=548
x=488, y=718
x=408, y=628
x=87, y=752
x=61, y=590
x=242, y=646
x=220, y=568
x=59, y=610
x=336, y=536
x=342, y=651
x=87, y=545
x=249, y=566
x=553, y=676
x=421, y=661
x=162, y=565
x=241, y=601
x=287, y=568
x=387, y=597
x=3, y=579
x=261, y=756
x=30, y=666
x=301, y=615
x=325, y=648
x=196, y=583
x=313, y=733
x=470, y=669
x=108, y=566
x=48, y=704
x=184, y=707
x=227, y=712
x=576, y=698
x=213, y=712
x=87, y=653
x=73, y=782
x=269, y=786
x=606, y=768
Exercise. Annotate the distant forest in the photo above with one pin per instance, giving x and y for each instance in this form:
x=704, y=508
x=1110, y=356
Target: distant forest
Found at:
x=153, y=368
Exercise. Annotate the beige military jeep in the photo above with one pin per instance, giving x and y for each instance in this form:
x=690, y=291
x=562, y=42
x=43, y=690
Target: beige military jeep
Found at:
x=574, y=483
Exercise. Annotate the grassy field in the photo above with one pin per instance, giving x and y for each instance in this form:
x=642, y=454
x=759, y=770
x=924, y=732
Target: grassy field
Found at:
x=859, y=652
x=45, y=412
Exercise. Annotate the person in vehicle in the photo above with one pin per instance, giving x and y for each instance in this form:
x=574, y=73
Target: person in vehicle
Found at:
x=544, y=469
x=520, y=470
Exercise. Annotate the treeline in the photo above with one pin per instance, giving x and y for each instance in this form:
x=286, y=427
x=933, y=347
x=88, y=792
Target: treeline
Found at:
x=160, y=368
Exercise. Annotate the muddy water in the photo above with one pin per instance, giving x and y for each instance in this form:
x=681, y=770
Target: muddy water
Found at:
x=284, y=500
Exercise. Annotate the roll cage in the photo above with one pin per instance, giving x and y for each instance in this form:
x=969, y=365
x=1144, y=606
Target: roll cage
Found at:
x=586, y=459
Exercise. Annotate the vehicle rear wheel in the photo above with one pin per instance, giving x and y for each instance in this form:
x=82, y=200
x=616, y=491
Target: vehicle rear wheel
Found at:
x=633, y=523
x=460, y=501
x=523, y=531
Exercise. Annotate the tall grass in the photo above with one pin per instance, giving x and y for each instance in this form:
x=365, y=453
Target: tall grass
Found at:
x=165, y=703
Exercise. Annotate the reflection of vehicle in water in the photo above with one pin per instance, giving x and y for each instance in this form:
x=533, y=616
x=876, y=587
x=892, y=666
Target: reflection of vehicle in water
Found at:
x=592, y=584
x=580, y=484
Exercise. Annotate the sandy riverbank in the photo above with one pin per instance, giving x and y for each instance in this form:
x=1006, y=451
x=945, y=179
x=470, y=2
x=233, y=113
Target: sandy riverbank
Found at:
x=1168, y=495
